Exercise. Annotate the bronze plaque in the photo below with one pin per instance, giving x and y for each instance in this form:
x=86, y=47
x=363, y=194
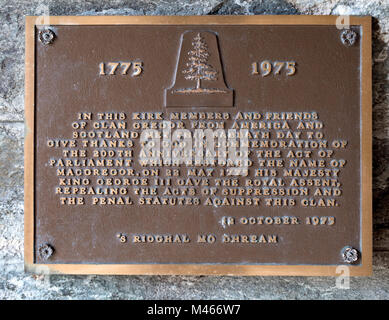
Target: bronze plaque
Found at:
x=198, y=145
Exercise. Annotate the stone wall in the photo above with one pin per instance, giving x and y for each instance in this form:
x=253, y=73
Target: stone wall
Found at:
x=15, y=284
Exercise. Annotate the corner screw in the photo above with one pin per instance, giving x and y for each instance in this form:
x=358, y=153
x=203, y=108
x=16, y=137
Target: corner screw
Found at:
x=45, y=251
x=46, y=36
x=350, y=255
x=348, y=37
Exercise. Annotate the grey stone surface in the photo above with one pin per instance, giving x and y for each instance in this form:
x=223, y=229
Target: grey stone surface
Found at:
x=15, y=284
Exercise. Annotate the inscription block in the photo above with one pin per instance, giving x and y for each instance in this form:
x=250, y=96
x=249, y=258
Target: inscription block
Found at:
x=198, y=145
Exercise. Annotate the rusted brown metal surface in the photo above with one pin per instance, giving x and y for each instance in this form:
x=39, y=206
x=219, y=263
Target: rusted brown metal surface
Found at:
x=144, y=67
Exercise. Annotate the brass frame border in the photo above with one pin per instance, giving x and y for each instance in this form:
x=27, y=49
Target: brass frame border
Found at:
x=364, y=269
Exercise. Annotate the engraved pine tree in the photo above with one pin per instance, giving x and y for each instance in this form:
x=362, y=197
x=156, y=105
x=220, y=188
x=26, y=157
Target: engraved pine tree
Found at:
x=198, y=68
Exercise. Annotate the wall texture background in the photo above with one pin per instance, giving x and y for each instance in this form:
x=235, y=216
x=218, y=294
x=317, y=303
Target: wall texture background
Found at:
x=15, y=284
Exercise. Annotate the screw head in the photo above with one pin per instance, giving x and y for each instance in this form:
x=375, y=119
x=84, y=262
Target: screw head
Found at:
x=45, y=251
x=350, y=255
x=348, y=37
x=46, y=36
